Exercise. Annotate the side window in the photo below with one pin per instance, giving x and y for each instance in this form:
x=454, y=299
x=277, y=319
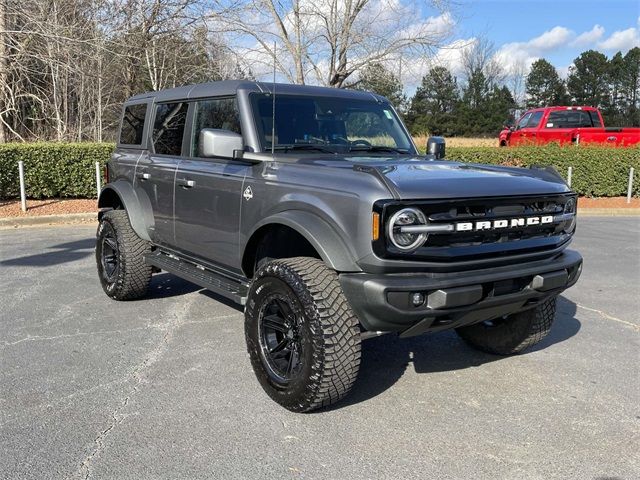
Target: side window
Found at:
x=523, y=121
x=219, y=113
x=534, y=120
x=557, y=119
x=570, y=119
x=133, y=124
x=168, y=128
x=595, y=119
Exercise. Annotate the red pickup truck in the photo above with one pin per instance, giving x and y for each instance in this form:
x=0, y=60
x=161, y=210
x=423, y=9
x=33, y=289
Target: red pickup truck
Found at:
x=566, y=125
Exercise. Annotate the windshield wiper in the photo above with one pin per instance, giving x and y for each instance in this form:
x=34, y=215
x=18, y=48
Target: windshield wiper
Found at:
x=302, y=146
x=377, y=148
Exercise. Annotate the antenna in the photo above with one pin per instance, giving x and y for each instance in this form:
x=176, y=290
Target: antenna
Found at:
x=273, y=107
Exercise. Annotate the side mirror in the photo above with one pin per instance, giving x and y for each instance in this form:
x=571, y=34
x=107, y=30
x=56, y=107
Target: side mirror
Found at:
x=213, y=142
x=436, y=147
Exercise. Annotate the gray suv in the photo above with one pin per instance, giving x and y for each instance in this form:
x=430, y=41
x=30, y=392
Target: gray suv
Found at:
x=312, y=208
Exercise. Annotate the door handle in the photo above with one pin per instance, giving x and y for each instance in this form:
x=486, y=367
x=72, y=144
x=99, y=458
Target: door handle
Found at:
x=183, y=182
x=143, y=176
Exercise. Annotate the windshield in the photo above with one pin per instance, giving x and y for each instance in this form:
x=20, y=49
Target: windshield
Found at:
x=327, y=124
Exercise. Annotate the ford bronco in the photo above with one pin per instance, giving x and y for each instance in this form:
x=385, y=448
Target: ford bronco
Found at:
x=313, y=209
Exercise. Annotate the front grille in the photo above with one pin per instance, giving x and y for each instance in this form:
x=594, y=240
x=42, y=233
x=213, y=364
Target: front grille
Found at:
x=473, y=212
x=464, y=245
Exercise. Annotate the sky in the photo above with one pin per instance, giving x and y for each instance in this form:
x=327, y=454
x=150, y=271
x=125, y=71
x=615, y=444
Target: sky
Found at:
x=558, y=30
x=521, y=31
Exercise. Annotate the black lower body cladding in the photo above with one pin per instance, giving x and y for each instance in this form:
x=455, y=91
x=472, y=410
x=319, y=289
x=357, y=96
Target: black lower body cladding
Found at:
x=416, y=303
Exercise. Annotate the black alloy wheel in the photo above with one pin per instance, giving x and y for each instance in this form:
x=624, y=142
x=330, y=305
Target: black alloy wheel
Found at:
x=280, y=337
x=109, y=254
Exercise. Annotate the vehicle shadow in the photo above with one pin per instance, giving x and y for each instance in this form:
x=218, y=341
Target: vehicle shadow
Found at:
x=166, y=285
x=220, y=299
x=386, y=358
x=57, y=254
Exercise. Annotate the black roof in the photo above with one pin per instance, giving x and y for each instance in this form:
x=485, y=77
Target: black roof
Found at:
x=230, y=87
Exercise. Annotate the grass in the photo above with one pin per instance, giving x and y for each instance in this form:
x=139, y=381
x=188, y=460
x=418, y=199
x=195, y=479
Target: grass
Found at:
x=460, y=142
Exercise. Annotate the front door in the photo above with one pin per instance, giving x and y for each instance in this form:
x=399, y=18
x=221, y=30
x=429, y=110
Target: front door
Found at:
x=208, y=191
x=527, y=129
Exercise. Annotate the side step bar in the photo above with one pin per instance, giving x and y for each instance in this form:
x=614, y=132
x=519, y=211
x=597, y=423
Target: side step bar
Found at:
x=232, y=288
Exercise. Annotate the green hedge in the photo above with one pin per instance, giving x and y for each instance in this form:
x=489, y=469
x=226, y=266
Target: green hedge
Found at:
x=597, y=171
x=68, y=169
x=52, y=169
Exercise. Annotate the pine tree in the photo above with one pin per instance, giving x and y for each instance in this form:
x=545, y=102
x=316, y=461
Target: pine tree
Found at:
x=433, y=106
x=471, y=118
x=630, y=88
x=587, y=82
x=544, y=86
x=376, y=78
x=499, y=109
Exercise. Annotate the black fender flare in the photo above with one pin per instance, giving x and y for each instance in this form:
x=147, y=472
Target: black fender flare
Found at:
x=138, y=207
x=329, y=244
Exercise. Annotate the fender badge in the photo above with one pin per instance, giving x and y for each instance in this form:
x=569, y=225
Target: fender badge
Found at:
x=248, y=193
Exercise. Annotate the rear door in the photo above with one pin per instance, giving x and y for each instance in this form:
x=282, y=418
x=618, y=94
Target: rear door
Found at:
x=208, y=190
x=156, y=170
x=560, y=125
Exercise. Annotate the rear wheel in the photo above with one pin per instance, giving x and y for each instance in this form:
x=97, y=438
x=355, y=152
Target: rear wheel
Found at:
x=124, y=275
x=302, y=337
x=512, y=333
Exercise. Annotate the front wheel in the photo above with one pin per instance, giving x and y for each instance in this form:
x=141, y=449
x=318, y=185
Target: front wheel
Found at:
x=512, y=333
x=302, y=337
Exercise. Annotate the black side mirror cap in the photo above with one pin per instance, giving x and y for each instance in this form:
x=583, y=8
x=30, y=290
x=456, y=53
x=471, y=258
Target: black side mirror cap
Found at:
x=436, y=147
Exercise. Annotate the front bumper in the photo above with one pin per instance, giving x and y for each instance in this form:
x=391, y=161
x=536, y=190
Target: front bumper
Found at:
x=382, y=302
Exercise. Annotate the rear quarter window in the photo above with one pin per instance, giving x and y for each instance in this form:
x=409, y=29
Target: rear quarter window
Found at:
x=133, y=124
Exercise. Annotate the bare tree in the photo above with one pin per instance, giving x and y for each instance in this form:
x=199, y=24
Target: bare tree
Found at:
x=330, y=40
x=480, y=57
x=516, y=80
x=67, y=65
x=3, y=71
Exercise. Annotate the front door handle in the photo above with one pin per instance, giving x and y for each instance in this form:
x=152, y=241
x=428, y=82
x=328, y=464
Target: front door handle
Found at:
x=183, y=182
x=143, y=176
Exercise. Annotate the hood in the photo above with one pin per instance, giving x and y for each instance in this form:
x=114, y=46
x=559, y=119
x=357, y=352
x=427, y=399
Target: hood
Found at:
x=426, y=179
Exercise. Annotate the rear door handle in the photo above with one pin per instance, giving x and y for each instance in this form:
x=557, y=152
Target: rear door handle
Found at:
x=183, y=182
x=143, y=176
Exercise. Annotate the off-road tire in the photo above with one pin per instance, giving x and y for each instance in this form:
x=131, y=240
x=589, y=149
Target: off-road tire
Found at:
x=329, y=332
x=132, y=275
x=513, y=334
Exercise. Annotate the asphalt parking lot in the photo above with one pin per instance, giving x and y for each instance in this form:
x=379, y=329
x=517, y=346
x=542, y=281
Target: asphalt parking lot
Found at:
x=163, y=388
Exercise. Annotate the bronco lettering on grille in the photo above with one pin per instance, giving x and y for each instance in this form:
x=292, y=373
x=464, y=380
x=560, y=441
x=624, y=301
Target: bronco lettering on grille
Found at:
x=503, y=223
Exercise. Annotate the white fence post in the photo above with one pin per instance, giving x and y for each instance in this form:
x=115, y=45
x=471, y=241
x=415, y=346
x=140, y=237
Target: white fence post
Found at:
x=23, y=195
x=98, y=178
x=630, y=187
x=569, y=174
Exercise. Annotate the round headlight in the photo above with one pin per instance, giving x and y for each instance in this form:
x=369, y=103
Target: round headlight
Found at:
x=406, y=217
x=570, y=206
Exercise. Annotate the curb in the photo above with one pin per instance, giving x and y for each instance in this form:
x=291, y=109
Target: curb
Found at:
x=608, y=212
x=43, y=220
